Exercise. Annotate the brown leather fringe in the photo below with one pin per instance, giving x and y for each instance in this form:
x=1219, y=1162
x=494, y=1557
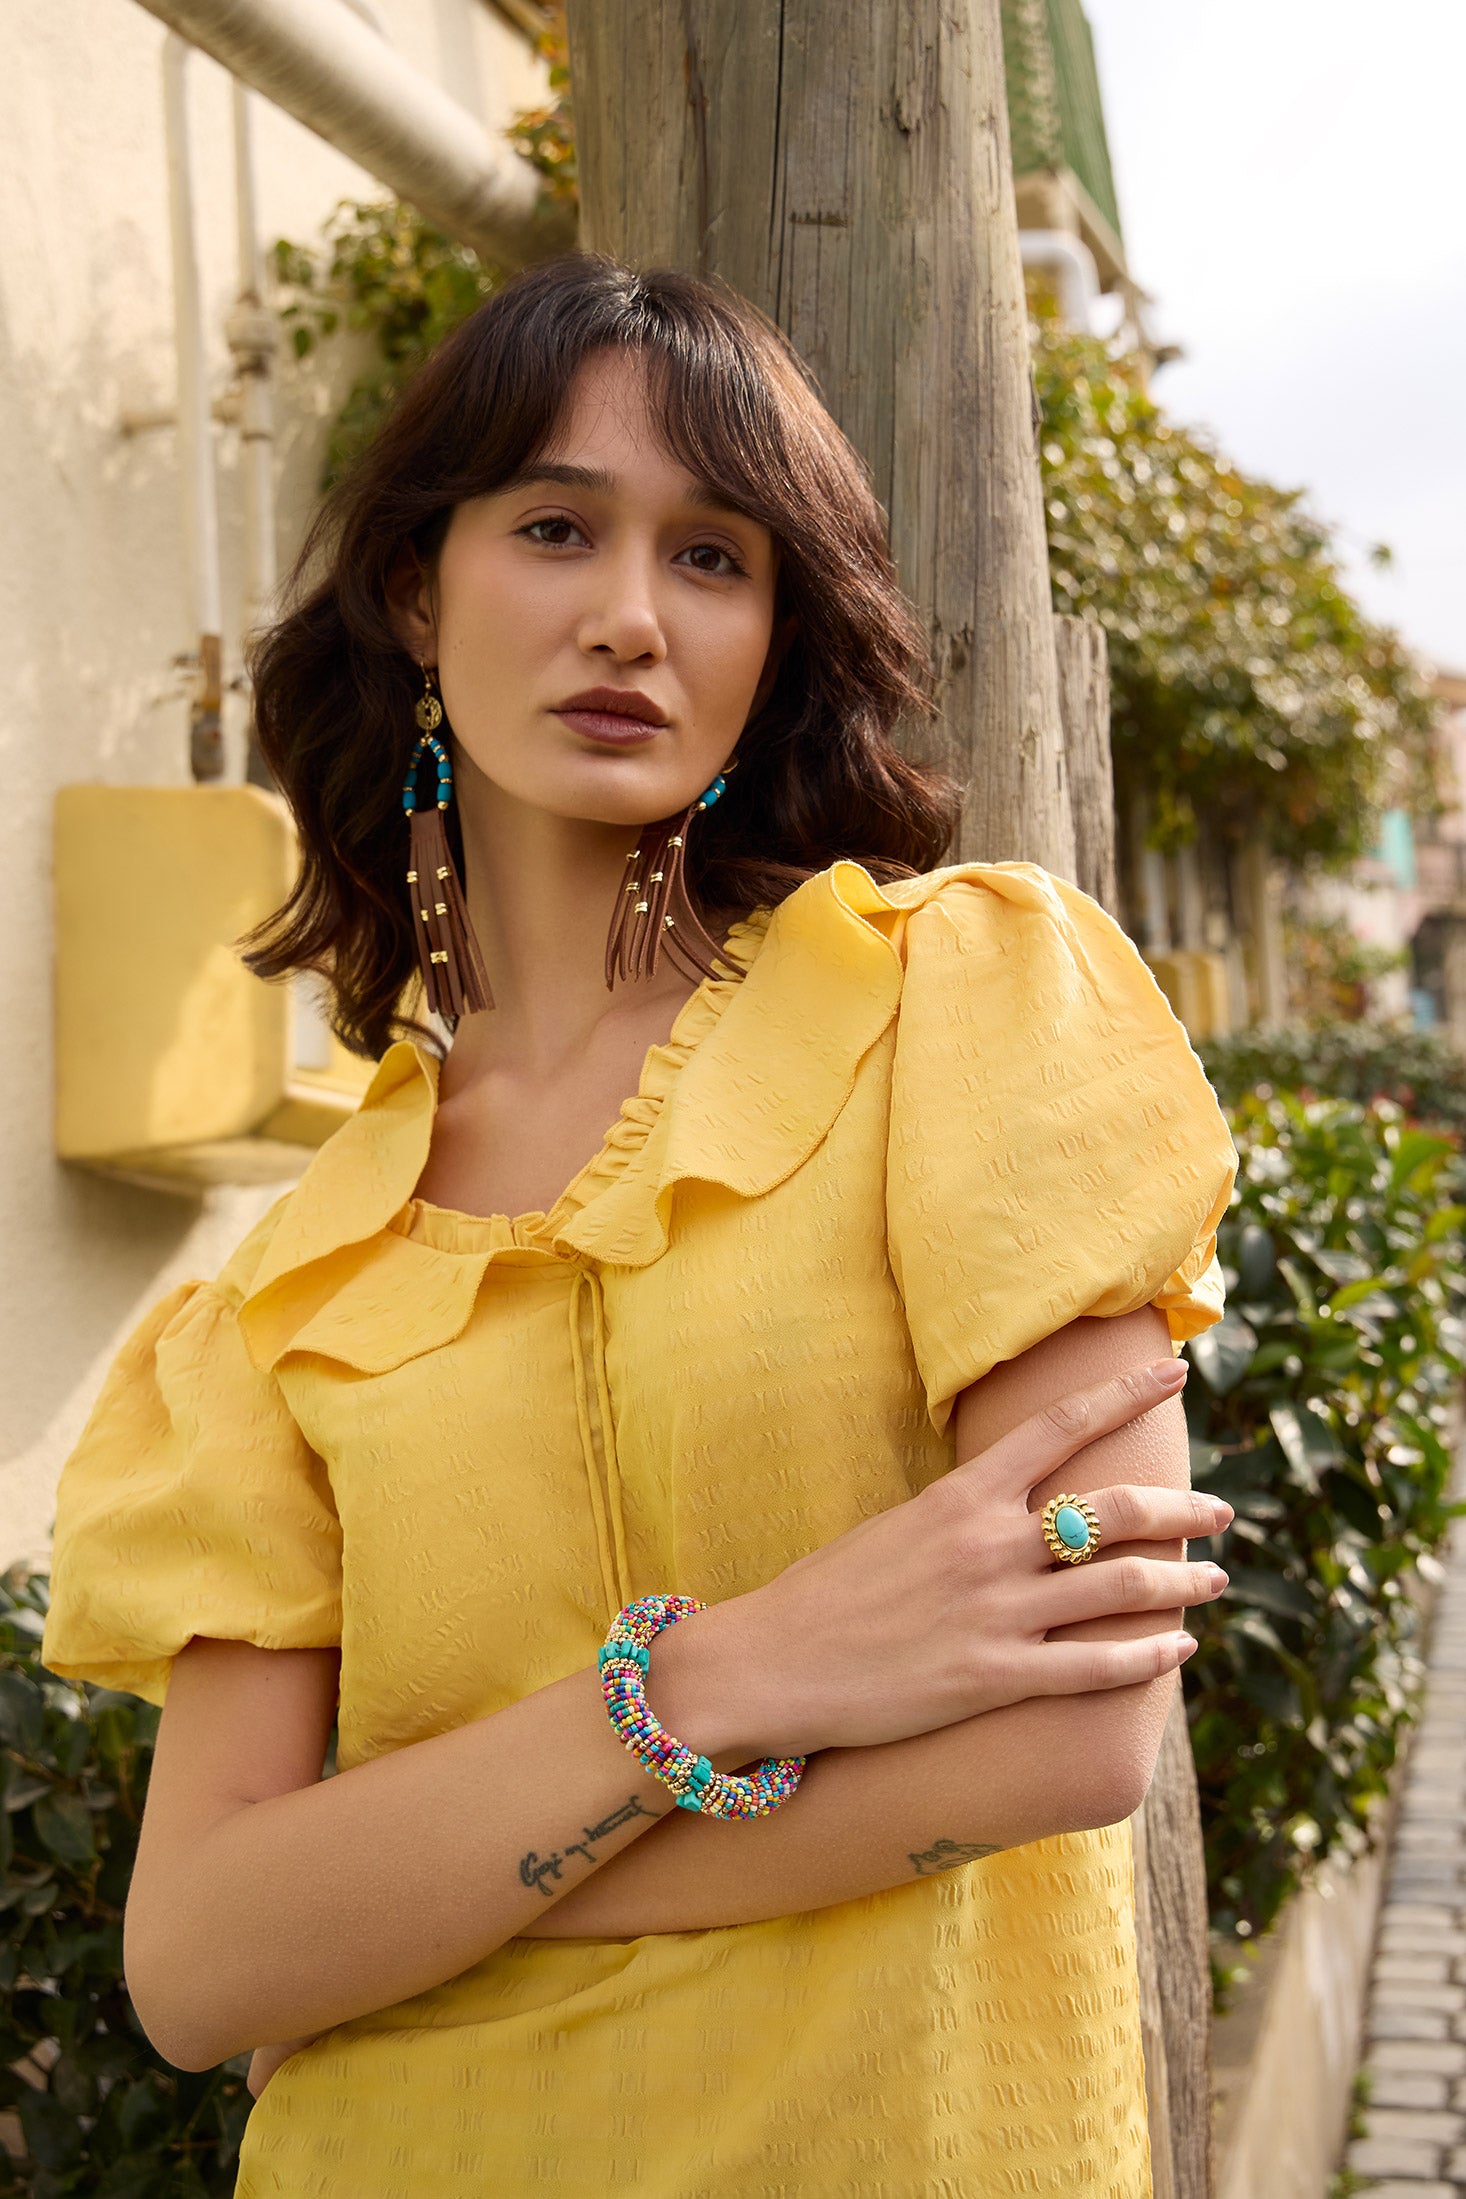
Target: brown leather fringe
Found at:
x=454, y=977
x=654, y=912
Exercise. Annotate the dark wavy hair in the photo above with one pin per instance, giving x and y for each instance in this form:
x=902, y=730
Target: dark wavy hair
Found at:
x=820, y=775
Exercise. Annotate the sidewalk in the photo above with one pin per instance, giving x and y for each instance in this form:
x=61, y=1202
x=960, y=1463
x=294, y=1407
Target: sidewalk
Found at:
x=1415, y=2030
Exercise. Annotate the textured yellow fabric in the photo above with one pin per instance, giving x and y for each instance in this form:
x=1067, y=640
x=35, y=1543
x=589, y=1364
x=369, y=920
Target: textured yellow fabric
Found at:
x=910, y=1132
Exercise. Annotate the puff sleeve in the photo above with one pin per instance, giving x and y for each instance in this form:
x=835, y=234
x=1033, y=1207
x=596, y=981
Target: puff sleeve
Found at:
x=191, y=1505
x=1055, y=1149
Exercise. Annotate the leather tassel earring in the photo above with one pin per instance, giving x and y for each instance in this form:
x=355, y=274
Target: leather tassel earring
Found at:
x=453, y=974
x=653, y=909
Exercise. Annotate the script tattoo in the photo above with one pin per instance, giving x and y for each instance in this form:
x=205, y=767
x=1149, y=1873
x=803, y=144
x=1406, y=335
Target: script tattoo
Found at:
x=948, y=1855
x=534, y=1868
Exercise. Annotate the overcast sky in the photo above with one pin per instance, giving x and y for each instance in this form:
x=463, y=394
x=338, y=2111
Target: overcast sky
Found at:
x=1292, y=181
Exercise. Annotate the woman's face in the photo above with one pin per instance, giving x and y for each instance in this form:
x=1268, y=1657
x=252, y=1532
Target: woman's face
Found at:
x=605, y=567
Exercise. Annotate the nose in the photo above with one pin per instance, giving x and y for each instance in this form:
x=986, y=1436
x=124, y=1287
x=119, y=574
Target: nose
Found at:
x=623, y=619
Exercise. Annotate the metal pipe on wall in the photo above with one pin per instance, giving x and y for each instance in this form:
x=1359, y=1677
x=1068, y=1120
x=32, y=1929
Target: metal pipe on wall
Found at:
x=195, y=427
x=324, y=65
x=253, y=338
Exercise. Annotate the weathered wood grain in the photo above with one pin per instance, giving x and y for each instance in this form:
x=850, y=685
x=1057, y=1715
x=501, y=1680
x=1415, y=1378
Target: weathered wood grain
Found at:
x=848, y=171
x=1175, y=1901
x=1084, y=709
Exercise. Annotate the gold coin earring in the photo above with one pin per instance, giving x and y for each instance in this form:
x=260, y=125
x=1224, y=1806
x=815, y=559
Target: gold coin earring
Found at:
x=453, y=974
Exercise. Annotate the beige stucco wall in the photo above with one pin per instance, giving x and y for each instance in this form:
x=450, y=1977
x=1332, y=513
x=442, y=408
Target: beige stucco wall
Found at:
x=93, y=600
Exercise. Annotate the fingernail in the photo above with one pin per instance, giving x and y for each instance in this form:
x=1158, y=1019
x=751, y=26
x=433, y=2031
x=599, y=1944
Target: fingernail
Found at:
x=1185, y=1646
x=1218, y=1579
x=1222, y=1512
x=1169, y=1373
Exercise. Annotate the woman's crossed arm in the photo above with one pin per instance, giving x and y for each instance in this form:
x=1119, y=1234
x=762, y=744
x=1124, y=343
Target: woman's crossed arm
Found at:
x=865, y=1819
x=267, y=1904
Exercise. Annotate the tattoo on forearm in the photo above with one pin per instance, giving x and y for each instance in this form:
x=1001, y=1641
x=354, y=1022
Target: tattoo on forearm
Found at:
x=948, y=1855
x=535, y=1868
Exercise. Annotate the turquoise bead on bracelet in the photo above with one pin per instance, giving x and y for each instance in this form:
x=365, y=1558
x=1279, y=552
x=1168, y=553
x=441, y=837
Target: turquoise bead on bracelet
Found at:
x=623, y=1661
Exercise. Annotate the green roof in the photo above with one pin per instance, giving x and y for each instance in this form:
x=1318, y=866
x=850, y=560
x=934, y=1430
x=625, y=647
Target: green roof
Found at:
x=1054, y=109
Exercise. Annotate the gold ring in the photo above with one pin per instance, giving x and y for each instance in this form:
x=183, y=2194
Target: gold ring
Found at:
x=1070, y=1529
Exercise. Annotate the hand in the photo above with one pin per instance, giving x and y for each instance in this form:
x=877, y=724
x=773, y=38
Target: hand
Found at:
x=265, y=2060
x=938, y=1609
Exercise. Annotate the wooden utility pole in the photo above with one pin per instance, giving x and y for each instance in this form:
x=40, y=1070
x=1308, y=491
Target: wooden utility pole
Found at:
x=847, y=169
x=1173, y=1951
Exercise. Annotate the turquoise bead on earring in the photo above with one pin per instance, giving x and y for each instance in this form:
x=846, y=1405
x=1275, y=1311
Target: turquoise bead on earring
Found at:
x=714, y=793
x=428, y=746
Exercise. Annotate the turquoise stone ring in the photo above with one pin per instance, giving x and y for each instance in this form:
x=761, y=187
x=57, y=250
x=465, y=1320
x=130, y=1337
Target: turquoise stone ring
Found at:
x=1070, y=1529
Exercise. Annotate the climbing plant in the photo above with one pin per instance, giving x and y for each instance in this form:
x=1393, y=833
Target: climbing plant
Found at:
x=1248, y=686
x=383, y=272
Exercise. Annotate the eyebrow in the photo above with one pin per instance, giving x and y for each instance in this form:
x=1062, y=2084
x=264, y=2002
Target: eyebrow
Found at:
x=601, y=483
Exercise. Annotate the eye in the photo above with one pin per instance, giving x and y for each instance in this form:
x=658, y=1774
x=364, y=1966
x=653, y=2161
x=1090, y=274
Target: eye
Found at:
x=731, y=564
x=556, y=542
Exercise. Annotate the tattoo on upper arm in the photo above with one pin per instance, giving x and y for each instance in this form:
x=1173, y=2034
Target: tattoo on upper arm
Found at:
x=949, y=1855
x=535, y=1868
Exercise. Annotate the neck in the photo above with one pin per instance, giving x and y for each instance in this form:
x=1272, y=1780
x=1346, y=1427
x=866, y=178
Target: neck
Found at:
x=540, y=891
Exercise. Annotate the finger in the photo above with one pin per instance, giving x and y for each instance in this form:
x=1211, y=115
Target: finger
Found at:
x=1085, y=1668
x=1130, y=1512
x=1126, y=1584
x=1034, y=1449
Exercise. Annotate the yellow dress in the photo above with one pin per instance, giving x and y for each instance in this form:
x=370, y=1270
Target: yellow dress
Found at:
x=914, y=1130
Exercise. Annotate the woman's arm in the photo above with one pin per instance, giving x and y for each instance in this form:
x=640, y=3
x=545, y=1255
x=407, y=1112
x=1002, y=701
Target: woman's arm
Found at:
x=268, y=1905
x=867, y=1819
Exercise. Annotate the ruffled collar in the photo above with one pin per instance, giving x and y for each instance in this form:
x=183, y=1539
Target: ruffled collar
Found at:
x=758, y=1064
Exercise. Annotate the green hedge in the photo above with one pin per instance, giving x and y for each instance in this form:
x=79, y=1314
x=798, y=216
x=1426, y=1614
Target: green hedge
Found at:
x=1321, y=1413
x=107, y=2116
x=1420, y=1070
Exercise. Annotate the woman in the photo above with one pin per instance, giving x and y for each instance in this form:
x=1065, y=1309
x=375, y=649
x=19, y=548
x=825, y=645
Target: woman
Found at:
x=923, y=1154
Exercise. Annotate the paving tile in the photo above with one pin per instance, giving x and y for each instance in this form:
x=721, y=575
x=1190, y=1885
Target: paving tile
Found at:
x=1396, y=1969
x=1407, y=2088
x=1407, y=2023
x=1394, y=2157
x=1442, y=2000
x=1414, y=2189
x=1437, y=2058
x=1417, y=2125
x=1411, y=1939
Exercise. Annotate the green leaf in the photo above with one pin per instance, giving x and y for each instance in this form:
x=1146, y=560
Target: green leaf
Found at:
x=1270, y=1592
x=64, y=1825
x=1221, y=1354
x=1415, y=1148
x=1307, y=1442
x=1257, y=1260
x=1358, y=1293
x=52, y=2134
x=22, y=1713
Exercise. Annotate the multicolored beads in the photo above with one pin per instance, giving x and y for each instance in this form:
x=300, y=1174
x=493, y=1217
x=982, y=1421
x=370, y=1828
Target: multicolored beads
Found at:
x=623, y=1662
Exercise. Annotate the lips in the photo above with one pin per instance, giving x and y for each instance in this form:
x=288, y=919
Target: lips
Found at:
x=615, y=717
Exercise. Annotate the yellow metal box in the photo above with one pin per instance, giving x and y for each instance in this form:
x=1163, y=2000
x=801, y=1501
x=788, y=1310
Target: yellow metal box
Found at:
x=173, y=1063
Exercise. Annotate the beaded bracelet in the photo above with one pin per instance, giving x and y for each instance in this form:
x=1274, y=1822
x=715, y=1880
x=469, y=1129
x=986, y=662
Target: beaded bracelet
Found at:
x=623, y=1663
